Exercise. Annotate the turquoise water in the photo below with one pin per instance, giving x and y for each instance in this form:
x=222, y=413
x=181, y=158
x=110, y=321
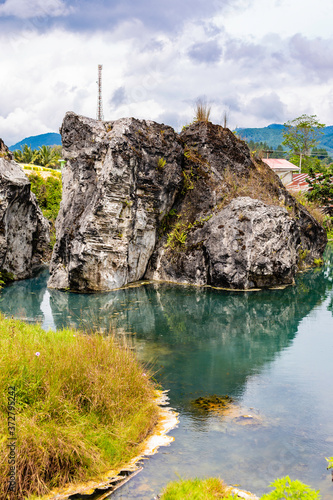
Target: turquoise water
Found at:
x=271, y=351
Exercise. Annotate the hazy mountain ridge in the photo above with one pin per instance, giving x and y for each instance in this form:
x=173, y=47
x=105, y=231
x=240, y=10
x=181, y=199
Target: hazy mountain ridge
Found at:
x=272, y=135
x=35, y=141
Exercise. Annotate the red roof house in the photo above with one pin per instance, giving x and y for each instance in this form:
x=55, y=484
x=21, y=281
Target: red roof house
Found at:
x=283, y=168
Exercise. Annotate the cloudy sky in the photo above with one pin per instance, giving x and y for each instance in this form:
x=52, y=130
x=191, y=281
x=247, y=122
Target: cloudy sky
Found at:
x=261, y=61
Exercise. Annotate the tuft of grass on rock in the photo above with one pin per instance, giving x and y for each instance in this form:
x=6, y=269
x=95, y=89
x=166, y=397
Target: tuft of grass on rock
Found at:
x=202, y=111
x=82, y=406
x=197, y=489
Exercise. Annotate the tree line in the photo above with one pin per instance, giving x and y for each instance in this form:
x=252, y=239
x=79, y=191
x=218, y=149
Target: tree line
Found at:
x=45, y=156
x=301, y=137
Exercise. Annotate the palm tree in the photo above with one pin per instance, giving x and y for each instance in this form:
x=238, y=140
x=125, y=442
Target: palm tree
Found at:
x=48, y=157
x=27, y=155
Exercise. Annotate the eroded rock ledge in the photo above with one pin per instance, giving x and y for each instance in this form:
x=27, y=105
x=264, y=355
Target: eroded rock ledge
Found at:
x=141, y=201
x=24, y=232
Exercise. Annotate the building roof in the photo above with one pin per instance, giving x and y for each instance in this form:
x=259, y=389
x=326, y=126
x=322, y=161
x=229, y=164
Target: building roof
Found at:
x=280, y=165
x=299, y=182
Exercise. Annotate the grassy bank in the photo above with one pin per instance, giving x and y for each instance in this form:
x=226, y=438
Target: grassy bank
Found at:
x=82, y=406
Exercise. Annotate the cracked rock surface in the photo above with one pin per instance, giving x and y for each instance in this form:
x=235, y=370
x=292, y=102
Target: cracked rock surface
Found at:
x=120, y=180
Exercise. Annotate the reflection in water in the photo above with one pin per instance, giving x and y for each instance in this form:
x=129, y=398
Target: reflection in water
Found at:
x=23, y=299
x=255, y=346
x=213, y=339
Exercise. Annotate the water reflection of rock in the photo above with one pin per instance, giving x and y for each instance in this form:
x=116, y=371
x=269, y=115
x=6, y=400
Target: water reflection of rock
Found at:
x=213, y=340
x=23, y=299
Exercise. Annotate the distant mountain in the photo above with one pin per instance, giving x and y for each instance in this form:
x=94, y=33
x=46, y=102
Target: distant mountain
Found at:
x=272, y=135
x=50, y=139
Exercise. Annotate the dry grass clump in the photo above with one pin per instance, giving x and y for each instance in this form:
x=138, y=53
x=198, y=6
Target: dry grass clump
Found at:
x=312, y=207
x=202, y=111
x=83, y=405
x=198, y=489
x=254, y=184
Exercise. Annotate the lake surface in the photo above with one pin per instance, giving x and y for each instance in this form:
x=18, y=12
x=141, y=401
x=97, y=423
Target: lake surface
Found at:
x=271, y=351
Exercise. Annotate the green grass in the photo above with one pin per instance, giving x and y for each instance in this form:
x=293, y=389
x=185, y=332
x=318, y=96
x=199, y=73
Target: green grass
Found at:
x=330, y=235
x=37, y=168
x=212, y=488
x=197, y=489
x=83, y=406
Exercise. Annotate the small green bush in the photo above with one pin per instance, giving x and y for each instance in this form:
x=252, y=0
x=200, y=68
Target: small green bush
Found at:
x=176, y=237
x=197, y=489
x=161, y=163
x=286, y=488
x=48, y=193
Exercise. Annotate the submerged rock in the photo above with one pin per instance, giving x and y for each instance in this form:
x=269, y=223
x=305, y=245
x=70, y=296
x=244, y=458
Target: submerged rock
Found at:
x=140, y=201
x=213, y=402
x=24, y=232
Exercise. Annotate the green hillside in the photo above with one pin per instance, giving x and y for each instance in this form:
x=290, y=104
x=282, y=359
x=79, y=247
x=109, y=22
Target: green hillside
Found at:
x=272, y=135
x=35, y=141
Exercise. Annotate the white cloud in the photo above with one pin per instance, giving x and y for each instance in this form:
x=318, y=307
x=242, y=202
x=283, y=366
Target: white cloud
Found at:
x=148, y=74
x=33, y=8
x=286, y=17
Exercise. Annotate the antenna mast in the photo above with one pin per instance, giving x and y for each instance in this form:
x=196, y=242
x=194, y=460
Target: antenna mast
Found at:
x=99, y=98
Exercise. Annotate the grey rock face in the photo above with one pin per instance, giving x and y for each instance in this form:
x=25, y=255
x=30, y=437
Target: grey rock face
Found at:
x=24, y=232
x=139, y=201
x=251, y=244
x=4, y=151
x=245, y=245
x=120, y=179
x=223, y=235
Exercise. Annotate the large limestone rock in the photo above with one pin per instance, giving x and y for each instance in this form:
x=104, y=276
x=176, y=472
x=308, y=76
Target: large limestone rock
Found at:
x=245, y=245
x=139, y=201
x=120, y=180
x=223, y=235
x=24, y=232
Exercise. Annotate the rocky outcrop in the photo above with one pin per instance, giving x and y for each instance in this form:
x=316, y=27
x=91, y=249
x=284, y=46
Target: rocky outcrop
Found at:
x=120, y=180
x=4, y=151
x=141, y=201
x=24, y=232
x=247, y=244
x=235, y=225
